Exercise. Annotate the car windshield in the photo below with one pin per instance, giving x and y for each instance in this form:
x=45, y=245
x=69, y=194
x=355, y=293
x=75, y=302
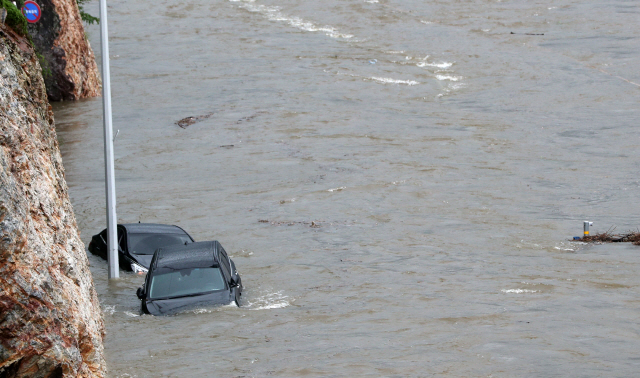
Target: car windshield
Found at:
x=186, y=282
x=146, y=244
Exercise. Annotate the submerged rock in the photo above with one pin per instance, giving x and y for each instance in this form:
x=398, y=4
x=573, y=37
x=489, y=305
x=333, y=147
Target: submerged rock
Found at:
x=50, y=319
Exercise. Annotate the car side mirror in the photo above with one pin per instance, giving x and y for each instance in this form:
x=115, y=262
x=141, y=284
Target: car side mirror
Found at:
x=140, y=293
x=233, y=282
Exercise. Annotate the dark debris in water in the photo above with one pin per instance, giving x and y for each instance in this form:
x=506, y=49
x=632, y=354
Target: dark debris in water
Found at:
x=528, y=33
x=312, y=224
x=188, y=121
x=610, y=237
x=249, y=118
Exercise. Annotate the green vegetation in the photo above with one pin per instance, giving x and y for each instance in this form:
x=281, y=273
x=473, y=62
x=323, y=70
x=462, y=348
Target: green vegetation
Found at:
x=86, y=17
x=44, y=65
x=15, y=19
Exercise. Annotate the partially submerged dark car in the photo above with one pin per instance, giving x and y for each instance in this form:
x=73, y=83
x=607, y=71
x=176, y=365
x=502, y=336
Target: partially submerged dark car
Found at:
x=138, y=241
x=184, y=277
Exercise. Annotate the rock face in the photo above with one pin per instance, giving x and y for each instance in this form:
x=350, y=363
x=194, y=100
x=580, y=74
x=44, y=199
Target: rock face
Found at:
x=50, y=319
x=70, y=72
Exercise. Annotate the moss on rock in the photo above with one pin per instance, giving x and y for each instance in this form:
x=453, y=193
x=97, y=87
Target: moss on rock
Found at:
x=15, y=19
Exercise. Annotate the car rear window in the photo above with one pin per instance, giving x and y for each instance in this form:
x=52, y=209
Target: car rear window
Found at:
x=186, y=282
x=146, y=244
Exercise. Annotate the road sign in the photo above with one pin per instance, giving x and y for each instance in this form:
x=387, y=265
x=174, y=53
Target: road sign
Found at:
x=31, y=11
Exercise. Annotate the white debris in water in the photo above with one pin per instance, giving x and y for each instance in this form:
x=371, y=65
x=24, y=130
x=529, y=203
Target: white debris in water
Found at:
x=337, y=189
x=131, y=314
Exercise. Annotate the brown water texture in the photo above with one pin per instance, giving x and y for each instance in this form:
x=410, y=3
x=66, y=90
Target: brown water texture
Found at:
x=397, y=182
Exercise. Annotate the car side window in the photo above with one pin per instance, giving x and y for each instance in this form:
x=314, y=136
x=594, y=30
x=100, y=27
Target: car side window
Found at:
x=122, y=243
x=103, y=235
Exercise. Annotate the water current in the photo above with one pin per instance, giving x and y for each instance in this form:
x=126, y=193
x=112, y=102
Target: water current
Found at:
x=396, y=180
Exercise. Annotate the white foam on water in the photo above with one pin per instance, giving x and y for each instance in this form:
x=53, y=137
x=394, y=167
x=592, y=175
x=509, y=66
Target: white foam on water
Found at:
x=518, y=291
x=210, y=310
x=269, y=301
x=131, y=314
x=569, y=247
x=337, y=189
x=448, y=77
x=109, y=309
x=385, y=80
x=201, y=311
x=273, y=13
x=371, y=1
x=456, y=86
x=443, y=65
x=272, y=306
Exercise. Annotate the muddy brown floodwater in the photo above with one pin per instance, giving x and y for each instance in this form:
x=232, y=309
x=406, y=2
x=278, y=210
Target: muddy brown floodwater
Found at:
x=397, y=182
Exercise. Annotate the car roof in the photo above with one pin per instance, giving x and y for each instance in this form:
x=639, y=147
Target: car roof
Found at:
x=152, y=228
x=193, y=255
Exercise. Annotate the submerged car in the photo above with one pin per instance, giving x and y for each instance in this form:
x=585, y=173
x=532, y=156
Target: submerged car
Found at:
x=137, y=242
x=184, y=277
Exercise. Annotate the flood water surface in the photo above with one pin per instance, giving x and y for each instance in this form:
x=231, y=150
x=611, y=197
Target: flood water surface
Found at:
x=396, y=181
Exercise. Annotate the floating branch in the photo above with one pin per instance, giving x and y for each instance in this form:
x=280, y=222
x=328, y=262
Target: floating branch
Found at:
x=610, y=237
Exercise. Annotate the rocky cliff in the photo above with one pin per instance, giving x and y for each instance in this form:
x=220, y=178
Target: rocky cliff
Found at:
x=50, y=318
x=71, y=72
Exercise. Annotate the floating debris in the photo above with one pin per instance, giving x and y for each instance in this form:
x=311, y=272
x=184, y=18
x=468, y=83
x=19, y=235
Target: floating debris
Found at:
x=188, y=121
x=528, y=33
x=610, y=237
x=288, y=223
x=311, y=224
x=249, y=118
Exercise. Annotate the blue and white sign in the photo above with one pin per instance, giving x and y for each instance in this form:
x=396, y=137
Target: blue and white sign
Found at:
x=31, y=11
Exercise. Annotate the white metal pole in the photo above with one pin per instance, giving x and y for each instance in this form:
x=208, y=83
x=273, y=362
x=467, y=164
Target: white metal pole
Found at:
x=112, y=231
